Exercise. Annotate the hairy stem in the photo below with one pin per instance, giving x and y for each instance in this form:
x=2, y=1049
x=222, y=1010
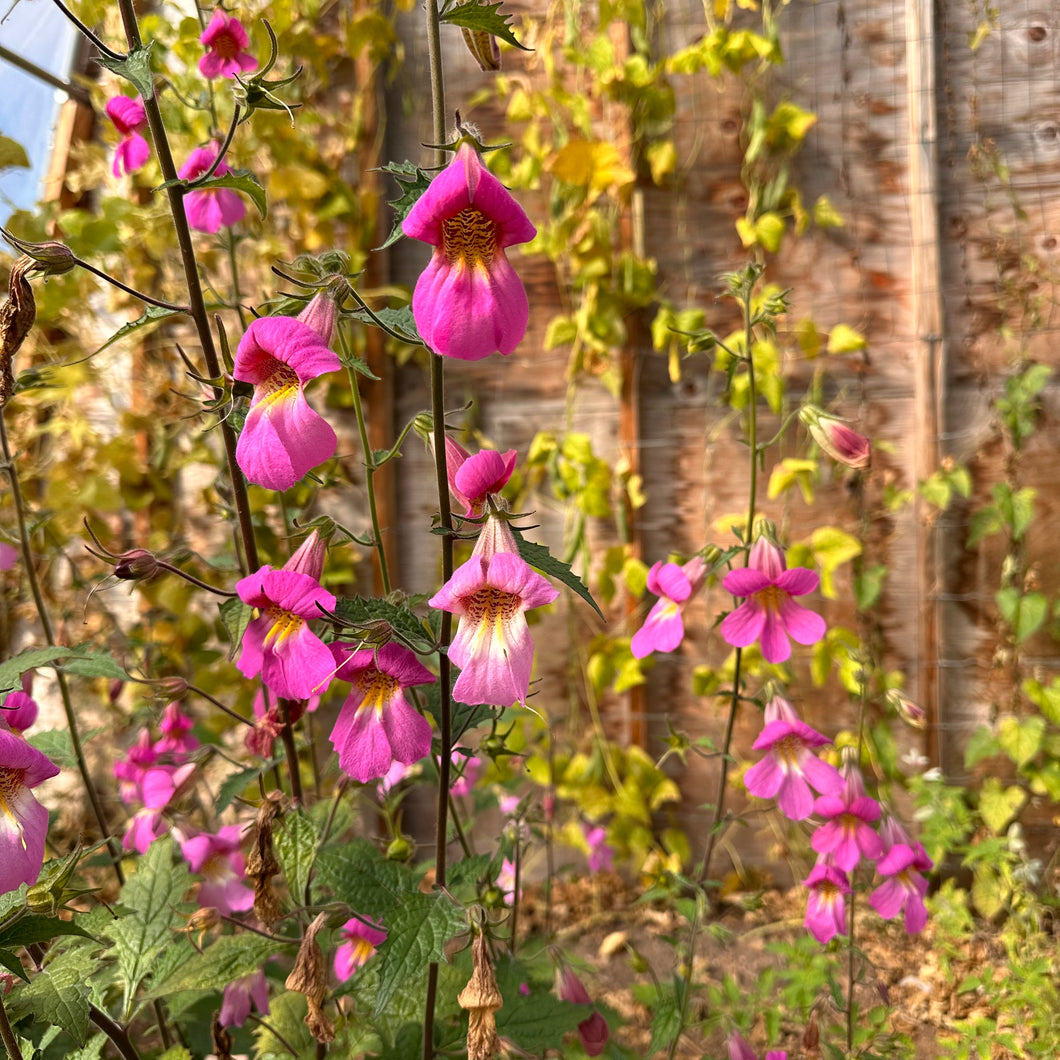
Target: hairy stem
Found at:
x=434, y=48
x=7, y=1034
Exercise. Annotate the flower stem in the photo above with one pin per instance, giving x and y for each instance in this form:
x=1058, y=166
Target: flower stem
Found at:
x=114, y=282
x=49, y=635
x=118, y=1035
x=369, y=464
x=110, y=53
x=445, y=724
x=196, y=302
x=7, y=1034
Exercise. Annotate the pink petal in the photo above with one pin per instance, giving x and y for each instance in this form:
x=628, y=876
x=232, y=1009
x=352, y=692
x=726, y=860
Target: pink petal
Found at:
x=362, y=745
x=767, y=558
x=126, y=113
x=776, y=648
x=742, y=627
x=745, y=581
x=668, y=579
x=888, y=899
x=407, y=730
x=764, y=778
x=823, y=776
x=795, y=798
x=23, y=826
x=486, y=472
x=512, y=574
x=663, y=630
x=798, y=581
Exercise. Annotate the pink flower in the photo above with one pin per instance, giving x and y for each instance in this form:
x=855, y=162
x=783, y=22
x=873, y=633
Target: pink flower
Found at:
x=473, y=478
x=283, y=438
x=601, y=856
x=471, y=767
x=160, y=787
x=8, y=556
x=259, y=740
x=904, y=863
x=740, y=1049
x=128, y=116
x=209, y=209
x=505, y=881
x=217, y=857
x=23, y=820
x=663, y=629
x=377, y=725
x=790, y=768
x=593, y=1031
x=240, y=995
x=469, y=302
x=292, y=660
x=361, y=939
x=826, y=905
x=493, y=648
x=130, y=773
x=225, y=40
x=770, y=614
x=19, y=709
x=839, y=441
x=848, y=835
x=176, y=726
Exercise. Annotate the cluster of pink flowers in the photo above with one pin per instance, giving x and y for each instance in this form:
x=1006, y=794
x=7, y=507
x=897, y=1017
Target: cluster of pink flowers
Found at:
x=153, y=774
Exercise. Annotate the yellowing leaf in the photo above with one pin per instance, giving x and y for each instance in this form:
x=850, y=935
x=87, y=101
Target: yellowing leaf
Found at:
x=791, y=472
x=825, y=215
x=832, y=548
x=662, y=159
x=809, y=338
x=845, y=339
x=592, y=164
x=296, y=182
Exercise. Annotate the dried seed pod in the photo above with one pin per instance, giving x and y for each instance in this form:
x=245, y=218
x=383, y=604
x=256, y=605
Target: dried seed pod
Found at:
x=16, y=319
x=481, y=998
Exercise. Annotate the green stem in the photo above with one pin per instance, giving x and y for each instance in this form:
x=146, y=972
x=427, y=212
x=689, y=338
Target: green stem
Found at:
x=369, y=463
x=30, y=572
x=237, y=295
x=291, y=752
x=196, y=302
x=445, y=724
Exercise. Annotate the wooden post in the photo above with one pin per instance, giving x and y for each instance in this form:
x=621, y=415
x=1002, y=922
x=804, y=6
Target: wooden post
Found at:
x=929, y=376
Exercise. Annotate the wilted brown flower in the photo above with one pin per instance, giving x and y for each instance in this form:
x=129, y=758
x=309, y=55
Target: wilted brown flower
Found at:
x=481, y=998
x=309, y=977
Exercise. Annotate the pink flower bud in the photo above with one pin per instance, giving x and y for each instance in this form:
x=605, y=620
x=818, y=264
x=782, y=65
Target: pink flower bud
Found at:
x=839, y=441
x=136, y=565
x=321, y=314
x=309, y=558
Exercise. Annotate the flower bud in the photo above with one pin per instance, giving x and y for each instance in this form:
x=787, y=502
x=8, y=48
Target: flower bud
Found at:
x=911, y=713
x=51, y=258
x=321, y=314
x=400, y=848
x=171, y=688
x=309, y=557
x=136, y=565
x=839, y=441
x=483, y=47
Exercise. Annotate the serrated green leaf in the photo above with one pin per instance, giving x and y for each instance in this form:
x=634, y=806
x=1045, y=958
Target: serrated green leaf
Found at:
x=12, y=153
x=235, y=617
x=538, y=1021
x=152, y=314
x=295, y=841
x=665, y=1021
x=151, y=898
x=233, y=784
x=364, y=610
x=93, y=664
x=94, y=1049
x=134, y=67
x=361, y=877
x=284, y=1030
x=178, y=1052
x=229, y=958
x=12, y=963
x=539, y=557
x=416, y=935
x=12, y=669
x=398, y=320
x=56, y=745
x=413, y=182
x=32, y=928
x=483, y=18
x=58, y=995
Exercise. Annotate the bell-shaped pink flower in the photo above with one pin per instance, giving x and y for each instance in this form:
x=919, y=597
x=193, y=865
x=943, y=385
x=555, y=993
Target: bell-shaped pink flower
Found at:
x=210, y=209
x=769, y=613
x=283, y=438
x=23, y=820
x=240, y=995
x=601, y=855
x=176, y=729
x=128, y=116
x=663, y=629
x=847, y=834
x=292, y=660
x=377, y=726
x=19, y=709
x=473, y=478
x=218, y=858
x=904, y=863
x=493, y=646
x=130, y=772
x=225, y=41
x=790, y=769
x=840, y=441
x=469, y=302
x=360, y=939
x=740, y=1049
x=826, y=904
x=593, y=1031
x=160, y=787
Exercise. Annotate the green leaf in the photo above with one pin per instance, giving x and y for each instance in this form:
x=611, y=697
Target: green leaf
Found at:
x=484, y=18
x=998, y=804
x=295, y=840
x=12, y=669
x=362, y=878
x=665, y=1021
x=58, y=995
x=413, y=182
x=845, y=339
x=235, y=783
x=399, y=320
x=539, y=557
x=416, y=936
x=152, y=314
x=868, y=585
x=1024, y=613
x=13, y=964
x=235, y=617
x=12, y=153
x=1021, y=739
x=366, y=610
x=134, y=67
x=93, y=664
x=32, y=928
x=56, y=745
x=80, y=661
x=240, y=180
x=151, y=897
x=981, y=744
x=538, y=1021
x=832, y=548
x=229, y=958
